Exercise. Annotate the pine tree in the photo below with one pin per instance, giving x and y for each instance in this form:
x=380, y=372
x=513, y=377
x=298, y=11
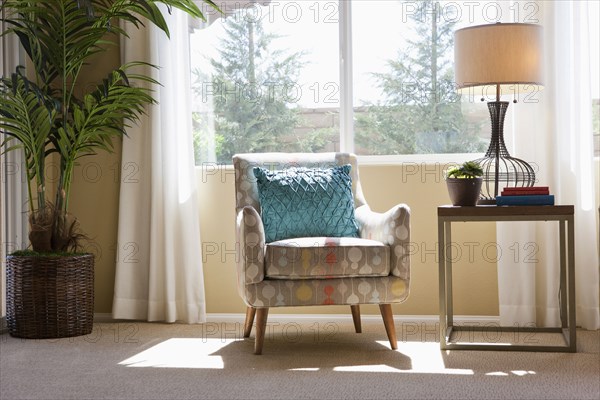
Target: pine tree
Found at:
x=252, y=84
x=421, y=112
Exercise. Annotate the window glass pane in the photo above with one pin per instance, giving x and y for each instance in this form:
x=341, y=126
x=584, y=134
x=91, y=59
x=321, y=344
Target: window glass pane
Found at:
x=267, y=79
x=404, y=95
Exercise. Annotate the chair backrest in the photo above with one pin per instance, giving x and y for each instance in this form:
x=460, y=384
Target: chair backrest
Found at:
x=246, y=190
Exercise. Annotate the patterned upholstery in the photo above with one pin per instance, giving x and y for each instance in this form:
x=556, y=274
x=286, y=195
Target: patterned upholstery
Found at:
x=326, y=258
x=374, y=268
x=310, y=292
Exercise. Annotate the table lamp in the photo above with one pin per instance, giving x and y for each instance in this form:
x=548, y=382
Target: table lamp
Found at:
x=499, y=59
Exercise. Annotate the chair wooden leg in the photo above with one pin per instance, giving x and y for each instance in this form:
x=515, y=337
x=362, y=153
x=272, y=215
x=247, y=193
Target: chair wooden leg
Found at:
x=388, y=321
x=261, y=327
x=250, y=312
x=356, y=317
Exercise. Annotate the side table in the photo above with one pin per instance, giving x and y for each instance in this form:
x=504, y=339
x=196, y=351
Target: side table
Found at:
x=564, y=215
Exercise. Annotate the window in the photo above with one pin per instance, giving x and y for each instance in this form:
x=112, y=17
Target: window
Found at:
x=270, y=83
x=271, y=78
x=404, y=96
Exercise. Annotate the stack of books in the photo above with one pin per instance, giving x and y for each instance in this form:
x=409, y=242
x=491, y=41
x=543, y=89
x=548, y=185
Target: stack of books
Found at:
x=525, y=196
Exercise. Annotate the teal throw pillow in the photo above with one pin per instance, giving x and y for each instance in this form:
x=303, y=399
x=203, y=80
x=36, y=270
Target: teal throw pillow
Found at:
x=306, y=202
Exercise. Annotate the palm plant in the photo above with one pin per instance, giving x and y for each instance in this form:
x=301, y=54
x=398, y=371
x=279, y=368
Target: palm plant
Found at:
x=42, y=110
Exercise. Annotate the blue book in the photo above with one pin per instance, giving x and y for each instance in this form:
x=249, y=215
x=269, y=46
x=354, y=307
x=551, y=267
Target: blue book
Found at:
x=528, y=200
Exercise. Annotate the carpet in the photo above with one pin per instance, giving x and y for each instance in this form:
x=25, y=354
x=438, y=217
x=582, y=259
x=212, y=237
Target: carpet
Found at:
x=305, y=360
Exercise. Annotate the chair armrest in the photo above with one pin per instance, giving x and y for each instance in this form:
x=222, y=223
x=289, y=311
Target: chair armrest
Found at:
x=251, y=252
x=391, y=228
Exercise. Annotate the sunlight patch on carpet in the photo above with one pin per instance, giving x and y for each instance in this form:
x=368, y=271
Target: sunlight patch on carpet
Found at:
x=304, y=369
x=181, y=353
x=516, y=372
x=425, y=358
x=368, y=368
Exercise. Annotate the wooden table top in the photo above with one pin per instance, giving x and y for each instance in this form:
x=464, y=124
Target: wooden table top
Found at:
x=503, y=211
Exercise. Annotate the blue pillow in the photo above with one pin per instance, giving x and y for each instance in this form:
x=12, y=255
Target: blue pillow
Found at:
x=306, y=202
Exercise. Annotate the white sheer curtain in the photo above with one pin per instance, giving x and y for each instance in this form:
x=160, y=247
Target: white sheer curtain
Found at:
x=556, y=135
x=13, y=191
x=159, y=268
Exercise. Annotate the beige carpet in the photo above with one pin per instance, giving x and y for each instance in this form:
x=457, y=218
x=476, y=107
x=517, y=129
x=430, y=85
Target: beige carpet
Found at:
x=310, y=360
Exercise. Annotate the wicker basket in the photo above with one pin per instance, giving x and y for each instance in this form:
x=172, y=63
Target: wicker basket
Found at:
x=49, y=297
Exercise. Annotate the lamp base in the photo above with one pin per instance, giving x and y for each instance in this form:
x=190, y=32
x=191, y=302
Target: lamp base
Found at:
x=500, y=169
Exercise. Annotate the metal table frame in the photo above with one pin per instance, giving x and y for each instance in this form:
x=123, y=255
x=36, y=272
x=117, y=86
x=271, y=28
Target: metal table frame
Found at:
x=565, y=216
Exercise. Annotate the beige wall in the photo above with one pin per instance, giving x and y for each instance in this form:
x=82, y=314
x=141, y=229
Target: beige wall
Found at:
x=419, y=186
x=95, y=197
x=95, y=202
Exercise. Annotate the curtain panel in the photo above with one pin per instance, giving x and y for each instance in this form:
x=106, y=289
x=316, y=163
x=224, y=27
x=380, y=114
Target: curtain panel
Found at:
x=555, y=133
x=159, y=272
x=14, y=200
x=13, y=192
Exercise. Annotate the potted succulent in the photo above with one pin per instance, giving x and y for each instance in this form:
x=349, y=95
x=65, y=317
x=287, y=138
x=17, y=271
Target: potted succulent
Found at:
x=48, y=110
x=464, y=183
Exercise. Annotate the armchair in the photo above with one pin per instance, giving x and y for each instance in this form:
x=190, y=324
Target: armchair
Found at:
x=373, y=268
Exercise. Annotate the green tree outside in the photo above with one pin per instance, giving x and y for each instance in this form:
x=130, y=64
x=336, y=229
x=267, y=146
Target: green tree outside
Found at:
x=254, y=91
x=421, y=112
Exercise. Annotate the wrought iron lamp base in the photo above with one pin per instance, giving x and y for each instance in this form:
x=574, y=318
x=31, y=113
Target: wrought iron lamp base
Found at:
x=500, y=169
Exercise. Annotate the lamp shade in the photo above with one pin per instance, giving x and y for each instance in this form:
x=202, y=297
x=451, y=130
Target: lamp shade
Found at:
x=508, y=55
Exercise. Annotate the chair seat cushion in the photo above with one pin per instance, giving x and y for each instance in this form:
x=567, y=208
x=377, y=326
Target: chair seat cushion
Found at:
x=326, y=257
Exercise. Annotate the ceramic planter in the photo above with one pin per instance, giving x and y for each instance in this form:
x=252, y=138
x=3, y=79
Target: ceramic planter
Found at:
x=464, y=191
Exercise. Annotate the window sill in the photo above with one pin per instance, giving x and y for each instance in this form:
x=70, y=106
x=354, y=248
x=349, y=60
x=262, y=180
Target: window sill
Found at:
x=389, y=160
x=418, y=159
